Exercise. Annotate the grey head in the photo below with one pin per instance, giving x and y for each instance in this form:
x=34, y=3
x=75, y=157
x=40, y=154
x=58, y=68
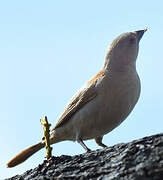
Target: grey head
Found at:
x=123, y=51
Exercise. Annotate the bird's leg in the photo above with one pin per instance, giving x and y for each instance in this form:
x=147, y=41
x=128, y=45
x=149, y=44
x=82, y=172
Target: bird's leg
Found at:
x=83, y=145
x=99, y=141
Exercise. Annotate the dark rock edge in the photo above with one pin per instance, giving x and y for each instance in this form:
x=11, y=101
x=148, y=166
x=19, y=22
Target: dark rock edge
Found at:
x=137, y=160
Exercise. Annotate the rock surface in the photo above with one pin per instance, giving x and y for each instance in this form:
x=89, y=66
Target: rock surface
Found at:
x=138, y=160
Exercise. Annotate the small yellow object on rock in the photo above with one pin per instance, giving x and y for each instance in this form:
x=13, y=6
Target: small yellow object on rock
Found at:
x=46, y=138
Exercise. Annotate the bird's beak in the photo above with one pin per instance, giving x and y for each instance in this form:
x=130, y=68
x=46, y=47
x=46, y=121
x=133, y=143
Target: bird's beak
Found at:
x=140, y=33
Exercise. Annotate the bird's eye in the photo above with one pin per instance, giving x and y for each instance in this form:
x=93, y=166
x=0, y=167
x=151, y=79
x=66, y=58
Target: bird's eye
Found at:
x=132, y=40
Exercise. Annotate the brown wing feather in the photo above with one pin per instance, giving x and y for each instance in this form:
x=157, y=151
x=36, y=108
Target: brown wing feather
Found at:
x=96, y=77
x=78, y=101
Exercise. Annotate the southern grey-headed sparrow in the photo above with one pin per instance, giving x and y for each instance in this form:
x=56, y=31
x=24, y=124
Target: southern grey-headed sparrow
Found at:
x=102, y=103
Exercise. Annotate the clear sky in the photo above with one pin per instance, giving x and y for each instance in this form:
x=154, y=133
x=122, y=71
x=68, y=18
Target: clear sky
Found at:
x=49, y=49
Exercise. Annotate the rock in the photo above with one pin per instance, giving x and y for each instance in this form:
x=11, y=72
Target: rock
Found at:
x=138, y=160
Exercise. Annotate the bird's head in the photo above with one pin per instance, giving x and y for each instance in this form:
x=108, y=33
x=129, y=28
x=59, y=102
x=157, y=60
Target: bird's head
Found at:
x=123, y=51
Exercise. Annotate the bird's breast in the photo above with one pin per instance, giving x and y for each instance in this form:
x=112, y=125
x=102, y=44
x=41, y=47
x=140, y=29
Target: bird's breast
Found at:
x=115, y=100
x=120, y=99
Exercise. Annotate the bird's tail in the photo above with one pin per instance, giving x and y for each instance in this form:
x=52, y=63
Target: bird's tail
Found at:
x=22, y=156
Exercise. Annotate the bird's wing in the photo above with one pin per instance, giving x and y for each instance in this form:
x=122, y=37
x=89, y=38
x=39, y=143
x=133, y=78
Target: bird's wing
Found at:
x=84, y=95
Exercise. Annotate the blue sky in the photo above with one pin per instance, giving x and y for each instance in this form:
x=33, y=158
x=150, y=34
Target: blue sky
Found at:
x=49, y=49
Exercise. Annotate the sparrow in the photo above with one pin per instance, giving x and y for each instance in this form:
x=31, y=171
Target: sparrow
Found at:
x=103, y=103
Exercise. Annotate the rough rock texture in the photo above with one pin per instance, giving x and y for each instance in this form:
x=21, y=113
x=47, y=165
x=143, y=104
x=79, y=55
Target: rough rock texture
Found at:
x=138, y=160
